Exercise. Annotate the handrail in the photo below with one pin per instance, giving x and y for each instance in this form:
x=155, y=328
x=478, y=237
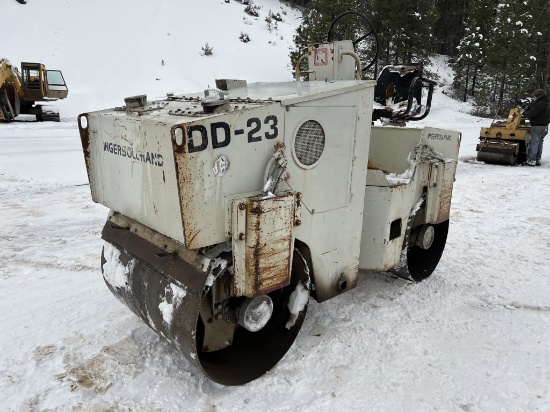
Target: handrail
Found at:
x=358, y=71
x=405, y=114
x=297, y=70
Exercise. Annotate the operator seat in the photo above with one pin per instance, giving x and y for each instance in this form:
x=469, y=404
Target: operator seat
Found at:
x=398, y=92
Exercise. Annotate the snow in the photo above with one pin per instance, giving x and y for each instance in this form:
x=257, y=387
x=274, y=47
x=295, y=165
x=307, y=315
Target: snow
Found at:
x=297, y=302
x=114, y=272
x=474, y=336
x=407, y=175
x=217, y=267
x=166, y=308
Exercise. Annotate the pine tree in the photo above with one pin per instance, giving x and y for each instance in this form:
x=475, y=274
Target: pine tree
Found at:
x=540, y=59
x=508, y=56
x=471, y=53
x=449, y=25
x=405, y=29
x=500, y=48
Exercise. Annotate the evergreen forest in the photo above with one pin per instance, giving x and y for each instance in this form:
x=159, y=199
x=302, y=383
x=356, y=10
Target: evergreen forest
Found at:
x=499, y=49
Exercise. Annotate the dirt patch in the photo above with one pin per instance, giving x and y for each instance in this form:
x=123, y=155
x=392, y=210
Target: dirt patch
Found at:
x=42, y=352
x=113, y=362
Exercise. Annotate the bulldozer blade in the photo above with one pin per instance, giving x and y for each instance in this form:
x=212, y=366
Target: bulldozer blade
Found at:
x=166, y=293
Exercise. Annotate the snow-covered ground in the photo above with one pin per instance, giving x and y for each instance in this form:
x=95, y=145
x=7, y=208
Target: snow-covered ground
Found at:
x=473, y=337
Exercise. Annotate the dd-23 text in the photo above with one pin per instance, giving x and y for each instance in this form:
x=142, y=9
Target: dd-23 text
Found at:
x=220, y=133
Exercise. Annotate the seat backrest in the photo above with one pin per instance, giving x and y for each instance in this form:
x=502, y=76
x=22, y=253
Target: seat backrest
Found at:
x=395, y=81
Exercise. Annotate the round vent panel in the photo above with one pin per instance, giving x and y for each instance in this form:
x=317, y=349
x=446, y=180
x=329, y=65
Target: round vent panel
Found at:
x=309, y=142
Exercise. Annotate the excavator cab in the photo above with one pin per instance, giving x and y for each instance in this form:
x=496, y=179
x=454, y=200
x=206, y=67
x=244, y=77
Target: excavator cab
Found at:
x=32, y=76
x=41, y=84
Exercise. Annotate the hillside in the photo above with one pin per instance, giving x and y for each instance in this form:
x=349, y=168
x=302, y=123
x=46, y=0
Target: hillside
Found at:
x=473, y=337
x=108, y=51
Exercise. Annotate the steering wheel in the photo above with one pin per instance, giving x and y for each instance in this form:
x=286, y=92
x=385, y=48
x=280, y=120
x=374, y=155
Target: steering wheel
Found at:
x=334, y=35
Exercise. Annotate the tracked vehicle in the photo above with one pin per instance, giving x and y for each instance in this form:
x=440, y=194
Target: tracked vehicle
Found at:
x=230, y=208
x=22, y=91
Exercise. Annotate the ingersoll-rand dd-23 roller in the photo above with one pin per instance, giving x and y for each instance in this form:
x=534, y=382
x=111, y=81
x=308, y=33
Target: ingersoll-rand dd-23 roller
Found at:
x=230, y=208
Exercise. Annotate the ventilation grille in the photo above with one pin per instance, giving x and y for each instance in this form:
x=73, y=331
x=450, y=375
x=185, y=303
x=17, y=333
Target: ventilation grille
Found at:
x=309, y=142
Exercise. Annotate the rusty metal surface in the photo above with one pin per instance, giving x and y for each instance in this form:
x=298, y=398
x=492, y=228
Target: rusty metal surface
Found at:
x=268, y=244
x=170, y=247
x=85, y=139
x=375, y=166
x=246, y=139
x=445, y=202
x=169, y=264
x=185, y=175
x=254, y=353
x=440, y=191
x=498, y=153
x=262, y=242
x=147, y=288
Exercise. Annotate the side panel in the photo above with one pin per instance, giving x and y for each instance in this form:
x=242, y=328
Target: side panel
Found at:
x=246, y=139
x=391, y=145
x=446, y=142
x=440, y=191
x=497, y=132
x=326, y=184
x=384, y=205
x=333, y=190
x=262, y=243
x=326, y=63
x=132, y=171
x=388, y=204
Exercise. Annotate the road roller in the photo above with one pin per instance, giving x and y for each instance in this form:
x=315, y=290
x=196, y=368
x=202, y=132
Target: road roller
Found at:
x=233, y=208
x=506, y=141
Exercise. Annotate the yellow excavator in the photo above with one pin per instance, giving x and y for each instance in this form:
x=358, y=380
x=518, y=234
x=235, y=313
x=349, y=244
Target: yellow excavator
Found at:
x=21, y=90
x=505, y=142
